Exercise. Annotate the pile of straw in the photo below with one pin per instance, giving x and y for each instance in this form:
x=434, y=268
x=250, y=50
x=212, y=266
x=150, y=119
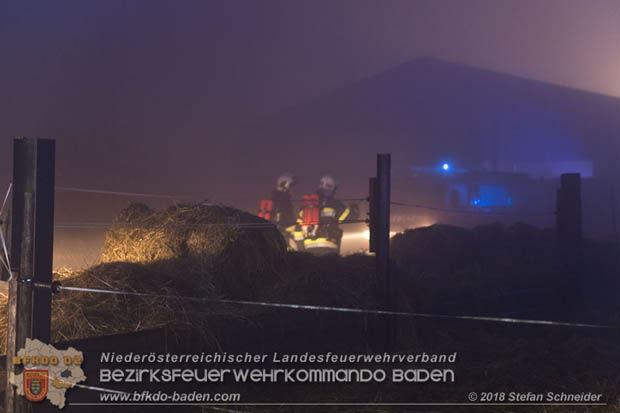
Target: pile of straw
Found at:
x=77, y=314
x=142, y=235
x=236, y=250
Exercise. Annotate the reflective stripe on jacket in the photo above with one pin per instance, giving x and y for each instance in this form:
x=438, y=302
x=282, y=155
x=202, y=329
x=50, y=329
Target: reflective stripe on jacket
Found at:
x=320, y=242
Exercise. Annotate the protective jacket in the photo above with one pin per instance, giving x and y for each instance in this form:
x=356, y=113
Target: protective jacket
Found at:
x=319, y=218
x=279, y=210
x=283, y=212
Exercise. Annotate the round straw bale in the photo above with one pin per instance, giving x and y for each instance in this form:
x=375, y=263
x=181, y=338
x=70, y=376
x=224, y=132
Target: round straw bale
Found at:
x=240, y=251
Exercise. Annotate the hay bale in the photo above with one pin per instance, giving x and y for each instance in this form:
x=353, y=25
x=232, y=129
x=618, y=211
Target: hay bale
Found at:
x=329, y=280
x=84, y=314
x=442, y=250
x=333, y=280
x=78, y=315
x=434, y=250
x=175, y=252
x=212, y=238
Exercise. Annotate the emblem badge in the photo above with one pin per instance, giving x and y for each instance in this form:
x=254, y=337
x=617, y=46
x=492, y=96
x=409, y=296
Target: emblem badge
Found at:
x=36, y=384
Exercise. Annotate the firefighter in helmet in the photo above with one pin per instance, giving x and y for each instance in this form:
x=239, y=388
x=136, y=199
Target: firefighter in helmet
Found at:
x=278, y=209
x=320, y=217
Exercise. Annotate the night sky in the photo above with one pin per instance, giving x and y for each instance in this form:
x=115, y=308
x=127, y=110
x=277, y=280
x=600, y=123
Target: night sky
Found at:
x=161, y=96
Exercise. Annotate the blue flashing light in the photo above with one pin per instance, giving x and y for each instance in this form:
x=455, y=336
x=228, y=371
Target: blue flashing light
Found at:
x=491, y=196
x=445, y=166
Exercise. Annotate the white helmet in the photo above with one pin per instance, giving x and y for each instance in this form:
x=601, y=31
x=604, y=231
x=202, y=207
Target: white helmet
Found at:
x=327, y=183
x=286, y=180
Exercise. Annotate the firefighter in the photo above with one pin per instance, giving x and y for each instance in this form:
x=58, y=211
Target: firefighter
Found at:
x=279, y=210
x=320, y=217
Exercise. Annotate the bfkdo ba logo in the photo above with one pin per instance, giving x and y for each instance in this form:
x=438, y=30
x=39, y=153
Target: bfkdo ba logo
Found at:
x=36, y=384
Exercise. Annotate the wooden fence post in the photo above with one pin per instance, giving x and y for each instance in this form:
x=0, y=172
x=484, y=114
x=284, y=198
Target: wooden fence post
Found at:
x=44, y=237
x=569, y=229
x=6, y=231
x=372, y=215
x=29, y=311
x=20, y=293
x=614, y=224
x=383, y=330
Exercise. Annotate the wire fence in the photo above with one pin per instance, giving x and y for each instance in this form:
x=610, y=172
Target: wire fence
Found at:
x=470, y=212
x=90, y=225
x=240, y=225
x=340, y=199
x=506, y=318
x=120, y=193
x=6, y=197
x=162, y=196
x=6, y=262
x=260, y=225
x=57, y=287
x=100, y=225
x=106, y=225
x=175, y=197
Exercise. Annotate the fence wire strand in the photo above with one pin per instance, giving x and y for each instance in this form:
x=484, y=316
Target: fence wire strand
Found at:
x=5, y=259
x=163, y=196
x=6, y=197
x=333, y=309
x=339, y=199
x=465, y=211
x=104, y=225
x=242, y=225
x=120, y=193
